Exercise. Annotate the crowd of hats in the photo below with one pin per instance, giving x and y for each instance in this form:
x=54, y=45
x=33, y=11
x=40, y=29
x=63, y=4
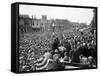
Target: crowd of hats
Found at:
x=30, y=49
x=33, y=47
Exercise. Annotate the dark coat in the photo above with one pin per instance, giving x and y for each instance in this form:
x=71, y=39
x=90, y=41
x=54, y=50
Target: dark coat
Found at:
x=76, y=55
x=86, y=52
x=55, y=45
x=68, y=47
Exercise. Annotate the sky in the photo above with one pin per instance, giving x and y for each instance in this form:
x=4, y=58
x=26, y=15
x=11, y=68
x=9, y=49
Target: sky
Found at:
x=81, y=15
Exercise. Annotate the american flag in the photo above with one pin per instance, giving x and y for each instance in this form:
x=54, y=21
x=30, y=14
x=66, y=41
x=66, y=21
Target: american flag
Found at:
x=43, y=63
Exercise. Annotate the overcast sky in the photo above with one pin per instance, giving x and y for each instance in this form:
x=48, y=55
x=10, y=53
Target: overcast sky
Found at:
x=81, y=15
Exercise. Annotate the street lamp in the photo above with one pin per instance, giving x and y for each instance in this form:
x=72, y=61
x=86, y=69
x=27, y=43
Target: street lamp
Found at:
x=53, y=28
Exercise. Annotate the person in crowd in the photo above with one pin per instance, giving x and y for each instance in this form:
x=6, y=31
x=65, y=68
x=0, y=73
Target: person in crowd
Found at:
x=66, y=58
x=83, y=59
x=55, y=44
x=76, y=54
x=56, y=55
x=61, y=49
x=67, y=45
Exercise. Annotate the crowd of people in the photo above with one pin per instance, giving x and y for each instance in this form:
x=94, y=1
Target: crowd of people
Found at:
x=51, y=53
x=78, y=49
